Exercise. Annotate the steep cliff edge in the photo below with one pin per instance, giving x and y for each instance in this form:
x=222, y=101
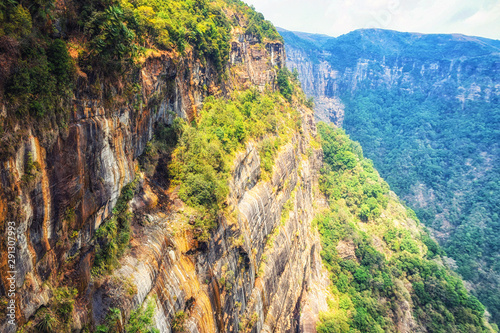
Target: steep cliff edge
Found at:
x=64, y=187
x=162, y=173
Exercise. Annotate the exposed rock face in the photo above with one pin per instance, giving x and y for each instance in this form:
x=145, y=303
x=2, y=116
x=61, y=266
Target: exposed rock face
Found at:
x=81, y=172
x=318, y=79
x=449, y=66
x=254, y=64
x=256, y=270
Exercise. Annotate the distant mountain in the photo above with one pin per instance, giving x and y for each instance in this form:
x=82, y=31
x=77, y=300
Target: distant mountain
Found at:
x=426, y=109
x=452, y=66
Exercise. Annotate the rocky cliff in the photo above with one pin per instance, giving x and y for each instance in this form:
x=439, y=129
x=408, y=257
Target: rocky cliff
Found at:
x=160, y=172
x=260, y=269
x=451, y=66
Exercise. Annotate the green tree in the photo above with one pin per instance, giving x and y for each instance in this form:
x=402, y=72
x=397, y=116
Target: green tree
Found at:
x=111, y=40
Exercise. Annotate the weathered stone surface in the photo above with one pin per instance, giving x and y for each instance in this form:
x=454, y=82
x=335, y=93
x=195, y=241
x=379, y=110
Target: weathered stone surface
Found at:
x=319, y=80
x=253, y=64
x=258, y=266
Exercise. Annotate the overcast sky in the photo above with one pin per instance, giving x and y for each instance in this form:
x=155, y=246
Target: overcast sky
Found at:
x=337, y=17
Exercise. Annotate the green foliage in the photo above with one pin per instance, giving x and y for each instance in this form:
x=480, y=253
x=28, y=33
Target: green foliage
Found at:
x=284, y=84
x=205, y=149
x=368, y=290
x=113, y=237
x=310, y=103
x=64, y=302
x=113, y=318
x=111, y=41
x=116, y=32
x=47, y=323
x=141, y=320
x=335, y=322
x=39, y=73
x=42, y=80
x=200, y=169
x=348, y=176
x=228, y=280
x=60, y=64
x=58, y=313
x=268, y=149
x=178, y=321
x=287, y=207
x=31, y=170
x=261, y=28
x=15, y=20
x=439, y=157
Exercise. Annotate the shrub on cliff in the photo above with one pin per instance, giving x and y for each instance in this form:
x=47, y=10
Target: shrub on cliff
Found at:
x=15, y=20
x=113, y=236
x=42, y=79
x=261, y=28
x=284, y=84
x=111, y=41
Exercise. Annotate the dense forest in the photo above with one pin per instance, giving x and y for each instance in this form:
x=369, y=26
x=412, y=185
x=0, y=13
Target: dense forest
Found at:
x=443, y=159
x=386, y=252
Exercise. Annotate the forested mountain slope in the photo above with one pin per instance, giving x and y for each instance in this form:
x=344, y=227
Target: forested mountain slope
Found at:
x=387, y=272
x=426, y=109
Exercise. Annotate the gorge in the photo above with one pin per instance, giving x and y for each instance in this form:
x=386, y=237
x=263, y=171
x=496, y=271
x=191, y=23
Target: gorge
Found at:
x=426, y=110
x=165, y=173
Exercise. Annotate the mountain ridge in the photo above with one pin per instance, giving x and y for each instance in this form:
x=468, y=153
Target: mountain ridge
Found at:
x=321, y=37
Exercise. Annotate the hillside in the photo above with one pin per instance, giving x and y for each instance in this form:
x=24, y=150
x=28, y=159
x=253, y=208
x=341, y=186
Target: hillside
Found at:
x=387, y=272
x=161, y=171
x=426, y=110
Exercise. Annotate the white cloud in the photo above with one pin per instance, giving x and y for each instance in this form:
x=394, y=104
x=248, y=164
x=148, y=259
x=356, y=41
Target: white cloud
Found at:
x=337, y=17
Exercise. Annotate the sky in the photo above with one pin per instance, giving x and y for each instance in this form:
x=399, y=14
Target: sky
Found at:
x=337, y=17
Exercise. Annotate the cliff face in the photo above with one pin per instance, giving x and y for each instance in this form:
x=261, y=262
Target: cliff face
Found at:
x=453, y=67
x=80, y=174
x=318, y=80
x=256, y=272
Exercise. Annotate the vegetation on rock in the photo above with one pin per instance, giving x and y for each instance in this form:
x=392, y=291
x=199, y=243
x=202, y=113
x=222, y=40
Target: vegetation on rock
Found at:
x=116, y=34
x=112, y=238
x=203, y=156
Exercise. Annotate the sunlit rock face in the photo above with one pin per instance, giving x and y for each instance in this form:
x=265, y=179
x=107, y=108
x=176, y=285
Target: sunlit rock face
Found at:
x=271, y=266
x=257, y=269
x=81, y=170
